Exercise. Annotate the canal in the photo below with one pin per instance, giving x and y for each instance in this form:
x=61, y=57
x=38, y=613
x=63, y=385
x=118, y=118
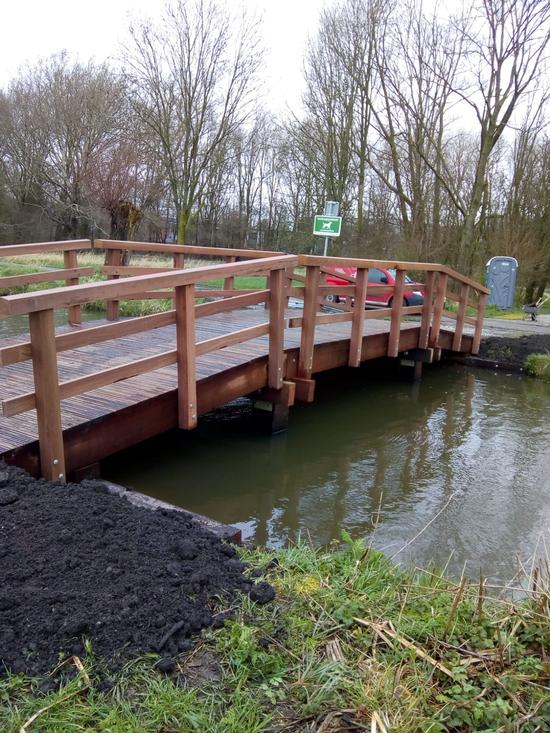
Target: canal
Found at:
x=453, y=471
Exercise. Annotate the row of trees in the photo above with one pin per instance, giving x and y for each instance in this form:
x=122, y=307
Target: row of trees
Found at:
x=430, y=131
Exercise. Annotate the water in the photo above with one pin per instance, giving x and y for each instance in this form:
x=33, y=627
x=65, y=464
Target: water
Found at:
x=454, y=470
x=19, y=325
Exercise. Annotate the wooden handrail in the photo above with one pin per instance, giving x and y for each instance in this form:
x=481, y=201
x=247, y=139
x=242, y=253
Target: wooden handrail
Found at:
x=15, y=250
x=186, y=249
x=64, y=297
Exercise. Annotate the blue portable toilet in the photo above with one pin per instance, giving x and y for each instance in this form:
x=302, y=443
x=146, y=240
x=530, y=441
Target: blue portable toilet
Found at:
x=501, y=280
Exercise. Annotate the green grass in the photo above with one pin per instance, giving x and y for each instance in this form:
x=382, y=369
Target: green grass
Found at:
x=431, y=655
x=538, y=365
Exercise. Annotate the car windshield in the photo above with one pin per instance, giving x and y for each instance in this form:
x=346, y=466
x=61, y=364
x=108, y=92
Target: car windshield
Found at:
x=393, y=273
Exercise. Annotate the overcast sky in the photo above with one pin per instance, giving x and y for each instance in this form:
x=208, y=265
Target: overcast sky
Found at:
x=31, y=29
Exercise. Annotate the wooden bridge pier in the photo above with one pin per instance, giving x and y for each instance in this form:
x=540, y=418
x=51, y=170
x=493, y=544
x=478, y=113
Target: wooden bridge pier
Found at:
x=71, y=398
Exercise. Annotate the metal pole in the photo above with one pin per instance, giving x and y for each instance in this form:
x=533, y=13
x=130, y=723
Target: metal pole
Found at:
x=325, y=249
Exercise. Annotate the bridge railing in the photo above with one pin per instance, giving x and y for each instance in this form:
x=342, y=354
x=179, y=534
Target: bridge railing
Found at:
x=44, y=344
x=441, y=284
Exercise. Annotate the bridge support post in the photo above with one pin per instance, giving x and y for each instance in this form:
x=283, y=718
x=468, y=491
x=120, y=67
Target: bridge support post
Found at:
x=271, y=407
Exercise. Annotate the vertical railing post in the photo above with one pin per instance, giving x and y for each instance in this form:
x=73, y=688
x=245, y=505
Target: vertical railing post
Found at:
x=70, y=262
x=186, y=356
x=113, y=259
x=179, y=261
x=229, y=282
x=276, y=328
x=397, y=307
x=479, y=322
x=439, y=305
x=307, y=340
x=427, y=310
x=46, y=387
x=459, y=327
x=358, y=318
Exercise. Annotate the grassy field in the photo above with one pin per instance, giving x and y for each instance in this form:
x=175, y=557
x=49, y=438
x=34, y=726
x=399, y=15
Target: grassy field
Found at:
x=350, y=643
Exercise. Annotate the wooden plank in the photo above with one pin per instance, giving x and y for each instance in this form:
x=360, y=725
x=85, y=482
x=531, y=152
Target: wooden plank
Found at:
x=16, y=250
x=70, y=260
x=130, y=270
x=229, y=339
x=427, y=310
x=113, y=259
x=307, y=339
x=356, y=340
x=90, y=335
x=464, y=280
x=186, y=249
x=16, y=281
x=340, y=275
x=186, y=357
x=459, y=329
x=229, y=304
x=63, y=297
x=277, y=298
x=479, y=323
x=73, y=387
x=332, y=262
x=322, y=318
x=47, y=400
x=439, y=305
x=179, y=260
x=305, y=389
x=396, y=313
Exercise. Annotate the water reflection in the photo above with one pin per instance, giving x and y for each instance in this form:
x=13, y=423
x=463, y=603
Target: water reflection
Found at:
x=468, y=450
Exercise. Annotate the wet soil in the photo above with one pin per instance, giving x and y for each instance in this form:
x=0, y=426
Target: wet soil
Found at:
x=513, y=351
x=79, y=565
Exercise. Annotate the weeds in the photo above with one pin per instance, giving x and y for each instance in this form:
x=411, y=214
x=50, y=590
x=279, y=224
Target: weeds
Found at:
x=538, y=365
x=350, y=643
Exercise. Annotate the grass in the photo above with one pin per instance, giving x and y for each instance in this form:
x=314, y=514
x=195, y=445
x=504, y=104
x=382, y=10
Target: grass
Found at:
x=34, y=263
x=538, y=365
x=350, y=643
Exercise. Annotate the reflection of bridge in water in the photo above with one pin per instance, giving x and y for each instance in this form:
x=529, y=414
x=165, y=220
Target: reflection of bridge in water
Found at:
x=71, y=398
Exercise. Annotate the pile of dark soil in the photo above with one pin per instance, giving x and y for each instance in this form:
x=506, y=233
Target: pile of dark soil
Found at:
x=513, y=351
x=78, y=563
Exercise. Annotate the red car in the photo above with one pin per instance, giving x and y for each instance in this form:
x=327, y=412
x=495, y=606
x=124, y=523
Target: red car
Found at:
x=414, y=295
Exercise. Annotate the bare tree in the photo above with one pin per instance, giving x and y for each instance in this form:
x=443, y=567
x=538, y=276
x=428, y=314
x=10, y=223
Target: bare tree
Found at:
x=190, y=77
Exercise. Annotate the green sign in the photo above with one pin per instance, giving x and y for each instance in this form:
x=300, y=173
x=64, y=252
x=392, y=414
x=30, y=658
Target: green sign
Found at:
x=327, y=226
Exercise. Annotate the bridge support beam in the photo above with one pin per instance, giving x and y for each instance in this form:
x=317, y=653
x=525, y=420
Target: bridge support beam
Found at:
x=272, y=407
x=305, y=389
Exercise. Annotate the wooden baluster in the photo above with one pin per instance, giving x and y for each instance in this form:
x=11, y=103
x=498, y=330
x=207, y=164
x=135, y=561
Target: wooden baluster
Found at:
x=459, y=326
x=358, y=319
x=70, y=262
x=307, y=340
x=397, y=307
x=179, y=261
x=427, y=310
x=276, y=328
x=113, y=259
x=46, y=387
x=229, y=282
x=438, y=310
x=479, y=322
x=185, y=340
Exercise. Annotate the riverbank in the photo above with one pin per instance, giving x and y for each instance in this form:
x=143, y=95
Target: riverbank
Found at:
x=350, y=642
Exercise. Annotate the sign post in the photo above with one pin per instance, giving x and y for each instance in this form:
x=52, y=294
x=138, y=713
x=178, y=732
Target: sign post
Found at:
x=329, y=224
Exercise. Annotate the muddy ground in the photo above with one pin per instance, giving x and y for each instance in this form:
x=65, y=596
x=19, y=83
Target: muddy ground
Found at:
x=513, y=351
x=80, y=566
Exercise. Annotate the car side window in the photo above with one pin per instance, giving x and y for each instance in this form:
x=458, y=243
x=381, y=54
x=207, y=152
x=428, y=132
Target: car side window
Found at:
x=375, y=275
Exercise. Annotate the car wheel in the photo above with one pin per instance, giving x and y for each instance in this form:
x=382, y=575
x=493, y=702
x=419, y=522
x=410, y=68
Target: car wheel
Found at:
x=390, y=303
x=332, y=298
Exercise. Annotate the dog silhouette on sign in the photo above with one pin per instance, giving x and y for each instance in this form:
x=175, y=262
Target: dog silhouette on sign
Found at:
x=327, y=225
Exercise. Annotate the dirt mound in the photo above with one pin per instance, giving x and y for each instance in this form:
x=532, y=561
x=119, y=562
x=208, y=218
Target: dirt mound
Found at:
x=78, y=563
x=514, y=350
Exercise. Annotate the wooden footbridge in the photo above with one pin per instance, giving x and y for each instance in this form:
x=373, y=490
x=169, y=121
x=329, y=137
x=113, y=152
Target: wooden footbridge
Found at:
x=75, y=394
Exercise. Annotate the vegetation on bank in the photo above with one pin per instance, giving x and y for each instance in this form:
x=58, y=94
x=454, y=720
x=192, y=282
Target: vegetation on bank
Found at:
x=351, y=643
x=538, y=365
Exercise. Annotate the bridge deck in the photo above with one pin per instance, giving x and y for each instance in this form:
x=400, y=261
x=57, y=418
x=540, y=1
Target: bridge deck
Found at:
x=17, y=433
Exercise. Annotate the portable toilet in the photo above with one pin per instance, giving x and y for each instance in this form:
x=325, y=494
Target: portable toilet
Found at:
x=501, y=280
